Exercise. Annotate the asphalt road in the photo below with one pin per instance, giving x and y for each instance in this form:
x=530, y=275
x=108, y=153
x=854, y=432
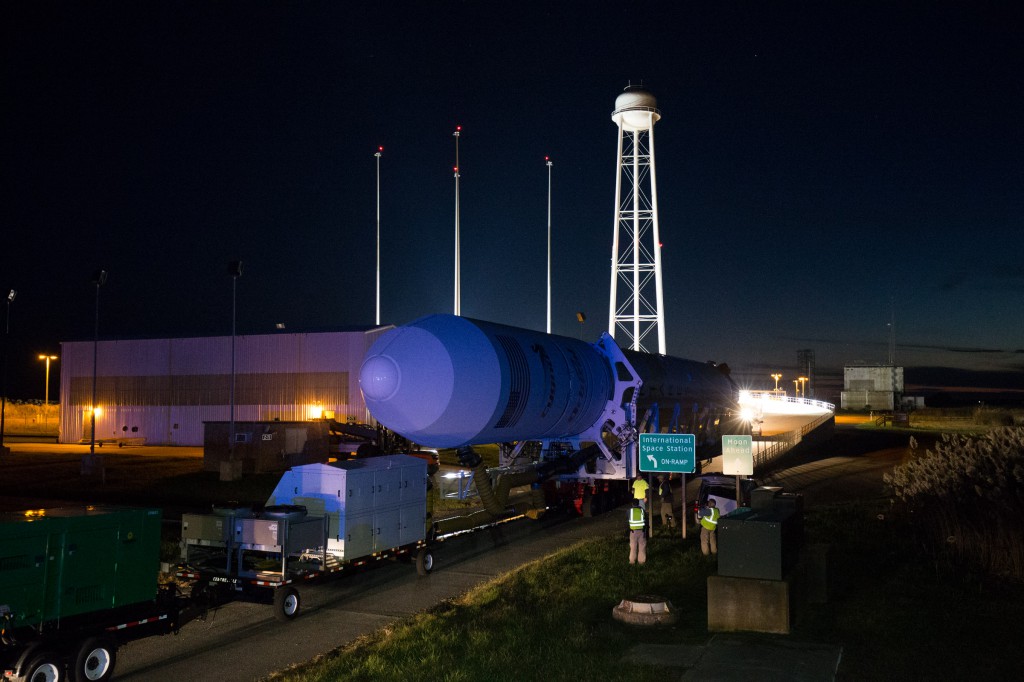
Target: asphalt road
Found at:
x=241, y=641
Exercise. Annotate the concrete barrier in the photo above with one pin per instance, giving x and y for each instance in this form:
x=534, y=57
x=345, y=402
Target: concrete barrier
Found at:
x=748, y=604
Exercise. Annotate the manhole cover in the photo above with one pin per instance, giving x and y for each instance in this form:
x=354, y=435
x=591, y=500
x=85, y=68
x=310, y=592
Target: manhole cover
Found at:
x=645, y=609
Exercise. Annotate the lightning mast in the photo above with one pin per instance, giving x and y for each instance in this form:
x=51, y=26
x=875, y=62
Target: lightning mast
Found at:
x=636, y=244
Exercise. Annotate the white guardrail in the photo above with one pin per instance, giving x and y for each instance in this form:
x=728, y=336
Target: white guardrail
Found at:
x=768, y=448
x=763, y=397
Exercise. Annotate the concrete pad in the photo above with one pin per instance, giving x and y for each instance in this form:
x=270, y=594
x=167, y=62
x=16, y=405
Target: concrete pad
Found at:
x=741, y=658
x=665, y=655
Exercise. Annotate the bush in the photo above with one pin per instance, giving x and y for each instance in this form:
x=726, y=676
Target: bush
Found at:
x=967, y=498
x=988, y=416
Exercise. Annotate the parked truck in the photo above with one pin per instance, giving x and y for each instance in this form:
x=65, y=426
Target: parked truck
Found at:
x=75, y=584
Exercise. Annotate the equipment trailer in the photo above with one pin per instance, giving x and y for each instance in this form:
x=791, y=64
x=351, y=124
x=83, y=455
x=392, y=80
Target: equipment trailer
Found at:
x=76, y=583
x=321, y=520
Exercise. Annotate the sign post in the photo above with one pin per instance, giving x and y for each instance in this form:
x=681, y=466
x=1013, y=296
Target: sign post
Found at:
x=669, y=453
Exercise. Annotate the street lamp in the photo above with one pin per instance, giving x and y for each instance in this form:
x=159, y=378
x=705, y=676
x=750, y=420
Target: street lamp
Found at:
x=98, y=278
x=3, y=398
x=803, y=386
x=776, y=377
x=796, y=388
x=46, y=391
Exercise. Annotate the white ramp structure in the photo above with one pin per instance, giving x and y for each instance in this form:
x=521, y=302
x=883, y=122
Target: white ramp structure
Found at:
x=636, y=246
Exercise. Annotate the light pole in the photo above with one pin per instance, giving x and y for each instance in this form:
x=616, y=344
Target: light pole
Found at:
x=46, y=390
x=378, y=155
x=235, y=270
x=776, y=377
x=803, y=386
x=796, y=388
x=98, y=278
x=581, y=318
x=458, y=269
x=3, y=399
x=547, y=160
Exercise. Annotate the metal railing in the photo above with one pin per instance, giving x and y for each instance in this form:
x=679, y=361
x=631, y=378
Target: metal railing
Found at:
x=782, y=398
x=782, y=443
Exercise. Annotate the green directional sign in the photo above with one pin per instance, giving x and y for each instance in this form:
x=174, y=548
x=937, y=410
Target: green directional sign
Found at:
x=669, y=453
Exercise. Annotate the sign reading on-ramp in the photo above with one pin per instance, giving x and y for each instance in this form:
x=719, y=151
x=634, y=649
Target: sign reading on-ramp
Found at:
x=737, y=456
x=669, y=453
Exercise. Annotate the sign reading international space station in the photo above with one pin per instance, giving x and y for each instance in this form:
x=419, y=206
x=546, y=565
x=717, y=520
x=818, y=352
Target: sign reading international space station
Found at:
x=668, y=453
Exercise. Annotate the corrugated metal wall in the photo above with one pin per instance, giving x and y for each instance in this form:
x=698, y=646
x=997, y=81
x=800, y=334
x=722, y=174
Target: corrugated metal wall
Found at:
x=873, y=378
x=164, y=389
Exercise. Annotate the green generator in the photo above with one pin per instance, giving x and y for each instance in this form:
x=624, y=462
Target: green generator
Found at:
x=65, y=562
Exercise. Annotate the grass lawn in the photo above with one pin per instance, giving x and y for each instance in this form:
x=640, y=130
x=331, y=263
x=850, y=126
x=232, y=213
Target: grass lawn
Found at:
x=897, y=614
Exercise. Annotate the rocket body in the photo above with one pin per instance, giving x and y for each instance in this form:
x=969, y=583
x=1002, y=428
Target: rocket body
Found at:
x=444, y=381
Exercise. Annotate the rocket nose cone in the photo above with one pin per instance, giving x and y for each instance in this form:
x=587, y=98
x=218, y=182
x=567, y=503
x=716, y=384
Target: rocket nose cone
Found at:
x=380, y=378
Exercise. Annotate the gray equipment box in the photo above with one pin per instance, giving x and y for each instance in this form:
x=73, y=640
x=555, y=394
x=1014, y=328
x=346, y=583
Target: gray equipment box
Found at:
x=205, y=529
x=288, y=536
x=762, y=544
x=372, y=505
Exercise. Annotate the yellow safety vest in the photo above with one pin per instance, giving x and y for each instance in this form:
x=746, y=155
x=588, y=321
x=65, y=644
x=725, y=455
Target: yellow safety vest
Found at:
x=710, y=522
x=636, y=518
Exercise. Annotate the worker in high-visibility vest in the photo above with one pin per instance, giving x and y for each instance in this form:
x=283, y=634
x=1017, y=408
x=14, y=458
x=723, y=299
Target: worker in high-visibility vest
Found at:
x=708, y=517
x=640, y=491
x=637, y=534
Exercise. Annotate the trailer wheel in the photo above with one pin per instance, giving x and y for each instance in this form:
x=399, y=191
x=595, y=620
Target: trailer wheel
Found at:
x=286, y=602
x=45, y=667
x=95, y=660
x=424, y=561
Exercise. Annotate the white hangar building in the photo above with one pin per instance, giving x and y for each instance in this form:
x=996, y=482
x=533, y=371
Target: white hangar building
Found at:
x=163, y=390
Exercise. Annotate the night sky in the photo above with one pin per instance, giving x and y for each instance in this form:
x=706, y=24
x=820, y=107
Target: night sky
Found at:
x=823, y=168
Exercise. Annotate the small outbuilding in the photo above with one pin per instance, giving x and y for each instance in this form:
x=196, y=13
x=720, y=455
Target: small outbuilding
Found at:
x=871, y=387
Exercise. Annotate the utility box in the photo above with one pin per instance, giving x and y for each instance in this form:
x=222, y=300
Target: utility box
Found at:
x=372, y=504
x=57, y=563
x=762, y=543
x=764, y=497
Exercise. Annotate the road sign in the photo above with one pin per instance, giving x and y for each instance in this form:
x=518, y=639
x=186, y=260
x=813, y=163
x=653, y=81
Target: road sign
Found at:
x=737, y=456
x=668, y=453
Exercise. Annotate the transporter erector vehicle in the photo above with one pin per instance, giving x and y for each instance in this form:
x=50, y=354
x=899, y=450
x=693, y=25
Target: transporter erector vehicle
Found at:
x=568, y=409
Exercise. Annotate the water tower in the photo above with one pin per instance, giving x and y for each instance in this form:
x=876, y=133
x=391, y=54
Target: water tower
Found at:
x=636, y=310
